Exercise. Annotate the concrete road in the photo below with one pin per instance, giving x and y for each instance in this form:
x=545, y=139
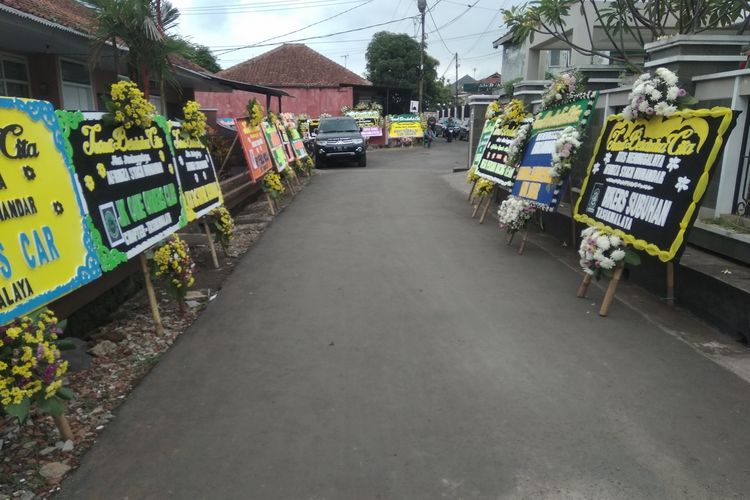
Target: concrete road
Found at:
x=379, y=344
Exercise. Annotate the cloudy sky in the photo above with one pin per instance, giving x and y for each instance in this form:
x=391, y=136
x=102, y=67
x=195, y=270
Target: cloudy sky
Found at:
x=227, y=25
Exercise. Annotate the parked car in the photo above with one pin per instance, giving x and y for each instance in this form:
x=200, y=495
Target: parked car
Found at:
x=463, y=131
x=340, y=139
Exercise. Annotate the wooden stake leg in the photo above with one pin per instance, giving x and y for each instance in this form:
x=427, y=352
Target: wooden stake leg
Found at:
x=487, y=206
x=584, y=288
x=509, y=240
x=476, y=207
x=670, y=283
x=271, y=204
x=63, y=427
x=471, y=191
x=229, y=154
x=523, y=241
x=211, y=246
x=290, y=187
x=609, y=297
x=158, y=328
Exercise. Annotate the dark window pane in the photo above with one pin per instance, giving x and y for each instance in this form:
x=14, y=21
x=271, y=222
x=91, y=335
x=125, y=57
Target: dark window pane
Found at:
x=74, y=72
x=14, y=70
x=17, y=89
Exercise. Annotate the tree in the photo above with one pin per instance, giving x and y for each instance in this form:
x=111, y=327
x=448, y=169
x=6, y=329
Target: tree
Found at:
x=393, y=61
x=625, y=23
x=202, y=55
x=143, y=27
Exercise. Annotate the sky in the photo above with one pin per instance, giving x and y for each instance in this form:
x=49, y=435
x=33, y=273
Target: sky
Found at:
x=226, y=25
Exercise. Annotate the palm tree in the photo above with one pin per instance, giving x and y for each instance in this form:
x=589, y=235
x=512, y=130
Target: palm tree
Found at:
x=142, y=26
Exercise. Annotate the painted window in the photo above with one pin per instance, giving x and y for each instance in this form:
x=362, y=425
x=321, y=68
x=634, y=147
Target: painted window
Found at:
x=76, y=86
x=14, y=77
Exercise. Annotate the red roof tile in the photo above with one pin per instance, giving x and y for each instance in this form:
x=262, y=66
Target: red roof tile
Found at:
x=68, y=13
x=293, y=65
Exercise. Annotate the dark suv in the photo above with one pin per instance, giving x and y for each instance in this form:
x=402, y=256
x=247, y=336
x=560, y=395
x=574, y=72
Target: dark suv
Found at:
x=339, y=138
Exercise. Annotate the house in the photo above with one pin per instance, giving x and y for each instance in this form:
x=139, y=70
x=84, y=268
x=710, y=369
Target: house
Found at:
x=316, y=83
x=44, y=54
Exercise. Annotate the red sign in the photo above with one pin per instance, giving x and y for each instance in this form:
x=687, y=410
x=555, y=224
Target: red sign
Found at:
x=254, y=146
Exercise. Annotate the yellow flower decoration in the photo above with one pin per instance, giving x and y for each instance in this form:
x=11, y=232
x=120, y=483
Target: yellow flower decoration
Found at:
x=272, y=185
x=89, y=181
x=194, y=124
x=101, y=170
x=174, y=266
x=129, y=106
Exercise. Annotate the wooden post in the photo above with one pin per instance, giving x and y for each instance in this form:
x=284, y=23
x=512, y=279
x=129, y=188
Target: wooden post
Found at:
x=523, y=241
x=487, y=206
x=573, y=234
x=289, y=186
x=509, y=240
x=229, y=153
x=584, y=288
x=476, y=207
x=211, y=246
x=670, y=283
x=159, y=329
x=270, y=204
x=63, y=427
x=609, y=296
x=471, y=191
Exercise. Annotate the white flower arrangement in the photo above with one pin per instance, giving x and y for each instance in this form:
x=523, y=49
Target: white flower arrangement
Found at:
x=656, y=95
x=518, y=144
x=514, y=213
x=601, y=252
x=566, y=146
x=562, y=87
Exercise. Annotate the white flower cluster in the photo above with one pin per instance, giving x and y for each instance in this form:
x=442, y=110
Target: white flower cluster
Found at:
x=514, y=213
x=562, y=87
x=599, y=251
x=655, y=95
x=566, y=145
x=517, y=145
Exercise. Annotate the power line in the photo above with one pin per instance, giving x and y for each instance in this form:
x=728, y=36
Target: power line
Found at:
x=261, y=7
x=429, y=11
x=259, y=44
x=468, y=5
x=468, y=8
x=313, y=37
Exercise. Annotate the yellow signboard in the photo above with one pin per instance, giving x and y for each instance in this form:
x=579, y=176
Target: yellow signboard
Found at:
x=405, y=129
x=45, y=248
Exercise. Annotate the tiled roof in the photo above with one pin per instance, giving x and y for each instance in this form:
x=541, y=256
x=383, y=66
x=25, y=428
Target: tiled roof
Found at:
x=68, y=13
x=293, y=65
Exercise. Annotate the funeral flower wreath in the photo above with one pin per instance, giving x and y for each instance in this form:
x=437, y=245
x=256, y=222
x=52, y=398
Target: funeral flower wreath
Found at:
x=514, y=213
x=600, y=253
x=656, y=95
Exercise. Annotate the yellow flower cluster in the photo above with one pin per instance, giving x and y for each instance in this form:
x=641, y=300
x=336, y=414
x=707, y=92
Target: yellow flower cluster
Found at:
x=309, y=164
x=483, y=187
x=513, y=112
x=174, y=266
x=272, y=185
x=30, y=365
x=298, y=166
x=493, y=110
x=224, y=224
x=471, y=176
x=129, y=107
x=254, y=112
x=194, y=124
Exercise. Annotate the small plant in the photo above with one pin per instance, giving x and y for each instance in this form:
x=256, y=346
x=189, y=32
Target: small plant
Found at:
x=129, y=107
x=31, y=370
x=194, y=124
x=272, y=185
x=224, y=225
x=175, y=267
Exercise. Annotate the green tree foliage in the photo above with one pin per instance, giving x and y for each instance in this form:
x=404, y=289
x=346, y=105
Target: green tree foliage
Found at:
x=624, y=23
x=202, y=55
x=393, y=61
x=143, y=26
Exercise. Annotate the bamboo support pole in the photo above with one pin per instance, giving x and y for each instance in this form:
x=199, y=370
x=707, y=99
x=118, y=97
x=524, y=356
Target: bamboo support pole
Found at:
x=211, y=246
x=670, y=283
x=522, y=246
x=271, y=204
x=471, y=191
x=476, y=207
x=584, y=288
x=158, y=328
x=63, y=427
x=487, y=206
x=509, y=239
x=289, y=186
x=609, y=296
x=229, y=154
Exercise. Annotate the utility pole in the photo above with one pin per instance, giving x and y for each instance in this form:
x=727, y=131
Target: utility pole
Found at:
x=421, y=5
x=346, y=57
x=456, y=78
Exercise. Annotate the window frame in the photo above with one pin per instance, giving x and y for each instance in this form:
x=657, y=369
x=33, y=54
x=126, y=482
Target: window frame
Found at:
x=89, y=87
x=3, y=80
